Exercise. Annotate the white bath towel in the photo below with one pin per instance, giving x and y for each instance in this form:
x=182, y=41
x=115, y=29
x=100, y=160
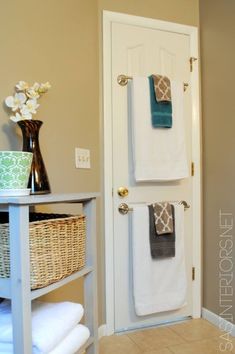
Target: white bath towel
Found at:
x=51, y=322
x=158, y=285
x=159, y=154
x=76, y=338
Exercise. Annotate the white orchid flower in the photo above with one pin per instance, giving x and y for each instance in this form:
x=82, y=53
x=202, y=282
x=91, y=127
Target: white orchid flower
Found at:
x=44, y=87
x=15, y=102
x=22, y=86
x=31, y=93
x=25, y=113
x=30, y=106
x=36, y=86
x=24, y=102
x=16, y=118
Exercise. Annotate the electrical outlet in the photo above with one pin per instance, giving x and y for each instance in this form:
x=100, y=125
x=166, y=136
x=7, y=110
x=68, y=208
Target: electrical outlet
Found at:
x=82, y=158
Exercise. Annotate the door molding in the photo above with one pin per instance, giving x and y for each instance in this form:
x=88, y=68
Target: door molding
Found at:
x=192, y=32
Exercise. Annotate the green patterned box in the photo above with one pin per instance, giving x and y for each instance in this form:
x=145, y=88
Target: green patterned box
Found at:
x=15, y=169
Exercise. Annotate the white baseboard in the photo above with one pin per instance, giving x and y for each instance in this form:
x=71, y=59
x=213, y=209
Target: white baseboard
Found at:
x=216, y=320
x=219, y=322
x=102, y=331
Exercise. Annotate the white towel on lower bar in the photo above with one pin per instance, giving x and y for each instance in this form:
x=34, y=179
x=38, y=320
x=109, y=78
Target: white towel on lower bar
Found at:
x=159, y=154
x=51, y=322
x=159, y=285
x=76, y=338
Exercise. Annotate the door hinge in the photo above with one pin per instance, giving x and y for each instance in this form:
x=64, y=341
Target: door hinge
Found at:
x=193, y=273
x=191, y=61
x=192, y=169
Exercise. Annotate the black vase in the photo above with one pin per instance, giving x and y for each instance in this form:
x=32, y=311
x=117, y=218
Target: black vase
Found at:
x=38, y=180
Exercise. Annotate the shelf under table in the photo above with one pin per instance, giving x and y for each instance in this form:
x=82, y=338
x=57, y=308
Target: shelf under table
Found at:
x=39, y=292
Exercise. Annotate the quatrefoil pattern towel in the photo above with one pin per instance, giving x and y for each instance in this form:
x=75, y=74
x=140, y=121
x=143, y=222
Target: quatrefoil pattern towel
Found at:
x=163, y=218
x=162, y=86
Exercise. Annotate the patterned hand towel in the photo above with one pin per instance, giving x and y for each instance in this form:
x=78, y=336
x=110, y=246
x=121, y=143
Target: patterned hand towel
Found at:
x=161, y=112
x=162, y=87
x=163, y=216
x=160, y=246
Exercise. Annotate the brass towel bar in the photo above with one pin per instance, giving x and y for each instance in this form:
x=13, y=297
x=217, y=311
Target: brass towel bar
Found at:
x=123, y=80
x=124, y=208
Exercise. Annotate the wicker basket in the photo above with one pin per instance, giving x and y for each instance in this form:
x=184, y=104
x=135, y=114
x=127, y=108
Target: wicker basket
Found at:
x=57, y=247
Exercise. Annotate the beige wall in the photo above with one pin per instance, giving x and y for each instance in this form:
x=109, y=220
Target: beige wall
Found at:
x=60, y=42
x=55, y=41
x=218, y=72
x=181, y=11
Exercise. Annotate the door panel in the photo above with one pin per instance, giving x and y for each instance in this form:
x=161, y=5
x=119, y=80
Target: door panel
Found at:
x=139, y=51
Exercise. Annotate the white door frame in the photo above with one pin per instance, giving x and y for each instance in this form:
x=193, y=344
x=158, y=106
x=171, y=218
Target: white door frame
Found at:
x=192, y=32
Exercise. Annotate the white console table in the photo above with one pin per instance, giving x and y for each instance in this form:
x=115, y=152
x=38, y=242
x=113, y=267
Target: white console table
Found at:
x=17, y=287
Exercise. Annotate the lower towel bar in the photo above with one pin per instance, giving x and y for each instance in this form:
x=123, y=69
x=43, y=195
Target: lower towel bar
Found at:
x=124, y=208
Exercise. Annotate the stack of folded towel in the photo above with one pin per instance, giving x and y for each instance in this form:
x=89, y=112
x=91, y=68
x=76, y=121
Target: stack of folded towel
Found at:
x=55, y=328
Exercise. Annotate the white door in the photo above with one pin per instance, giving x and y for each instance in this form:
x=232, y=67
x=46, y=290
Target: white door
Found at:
x=140, y=51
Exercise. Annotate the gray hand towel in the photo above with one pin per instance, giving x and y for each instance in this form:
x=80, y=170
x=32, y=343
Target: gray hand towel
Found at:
x=160, y=246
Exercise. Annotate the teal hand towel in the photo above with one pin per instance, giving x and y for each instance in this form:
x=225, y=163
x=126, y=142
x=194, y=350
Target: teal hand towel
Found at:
x=161, y=112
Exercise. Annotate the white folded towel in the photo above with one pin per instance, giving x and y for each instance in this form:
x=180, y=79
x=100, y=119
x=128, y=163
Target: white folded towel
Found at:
x=159, y=154
x=159, y=284
x=74, y=341
x=51, y=322
x=76, y=338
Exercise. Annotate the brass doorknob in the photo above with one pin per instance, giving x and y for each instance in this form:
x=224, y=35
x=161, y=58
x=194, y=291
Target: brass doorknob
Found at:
x=123, y=192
